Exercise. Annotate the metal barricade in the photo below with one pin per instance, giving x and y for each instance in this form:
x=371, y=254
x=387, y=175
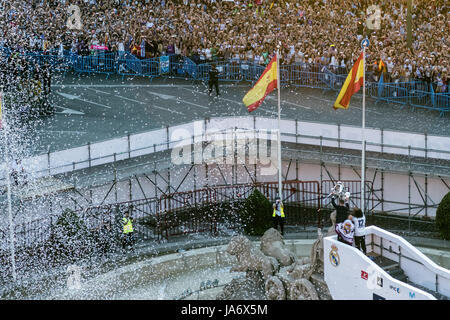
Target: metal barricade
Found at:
x=442, y=102
x=202, y=72
x=421, y=99
x=150, y=68
x=252, y=72
x=129, y=65
x=393, y=93
x=414, y=93
x=430, y=100
x=231, y=71
x=181, y=67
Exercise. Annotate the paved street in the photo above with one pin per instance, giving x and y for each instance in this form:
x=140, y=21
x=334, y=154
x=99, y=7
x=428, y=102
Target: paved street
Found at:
x=94, y=108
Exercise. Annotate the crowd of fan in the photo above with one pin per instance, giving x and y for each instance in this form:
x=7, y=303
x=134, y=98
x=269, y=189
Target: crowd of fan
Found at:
x=27, y=83
x=326, y=32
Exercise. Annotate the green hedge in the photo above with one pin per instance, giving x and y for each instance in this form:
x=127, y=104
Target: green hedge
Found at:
x=70, y=239
x=256, y=214
x=443, y=217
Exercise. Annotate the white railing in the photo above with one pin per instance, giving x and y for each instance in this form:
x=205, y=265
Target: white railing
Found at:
x=417, y=267
x=319, y=134
x=352, y=275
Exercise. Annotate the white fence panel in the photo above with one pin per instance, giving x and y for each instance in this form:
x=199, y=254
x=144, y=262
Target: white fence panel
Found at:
x=351, y=133
x=103, y=152
x=403, y=140
x=148, y=142
x=62, y=161
x=373, y=136
x=438, y=143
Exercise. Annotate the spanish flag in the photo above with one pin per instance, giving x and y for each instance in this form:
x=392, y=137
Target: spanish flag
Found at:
x=265, y=85
x=351, y=85
x=382, y=66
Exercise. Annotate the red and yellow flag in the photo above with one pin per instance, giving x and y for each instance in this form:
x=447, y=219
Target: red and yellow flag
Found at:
x=265, y=85
x=351, y=85
x=382, y=66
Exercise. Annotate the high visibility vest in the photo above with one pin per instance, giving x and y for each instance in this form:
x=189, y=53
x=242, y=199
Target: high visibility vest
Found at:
x=275, y=211
x=127, y=226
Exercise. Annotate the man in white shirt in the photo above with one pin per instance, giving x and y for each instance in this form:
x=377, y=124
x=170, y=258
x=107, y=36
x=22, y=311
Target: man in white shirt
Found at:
x=359, y=220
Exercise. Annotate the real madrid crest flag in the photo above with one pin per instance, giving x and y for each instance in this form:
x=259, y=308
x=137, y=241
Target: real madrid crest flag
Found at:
x=265, y=85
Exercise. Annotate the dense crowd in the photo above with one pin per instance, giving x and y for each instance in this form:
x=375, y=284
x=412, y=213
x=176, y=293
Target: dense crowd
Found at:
x=26, y=82
x=328, y=32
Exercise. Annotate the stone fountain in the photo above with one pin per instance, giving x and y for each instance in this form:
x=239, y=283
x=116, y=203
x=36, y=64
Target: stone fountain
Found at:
x=273, y=272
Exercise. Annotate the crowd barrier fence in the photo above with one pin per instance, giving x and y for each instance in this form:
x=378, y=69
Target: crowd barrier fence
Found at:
x=416, y=94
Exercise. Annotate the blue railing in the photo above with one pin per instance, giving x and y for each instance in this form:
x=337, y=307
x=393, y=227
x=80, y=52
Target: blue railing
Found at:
x=417, y=94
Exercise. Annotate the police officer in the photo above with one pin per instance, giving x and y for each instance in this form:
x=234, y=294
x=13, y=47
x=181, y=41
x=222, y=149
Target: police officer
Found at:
x=213, y=79
x=278, y=214
x=127, y=223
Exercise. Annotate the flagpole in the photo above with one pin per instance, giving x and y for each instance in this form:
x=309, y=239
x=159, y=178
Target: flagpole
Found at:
x=363, y=135
x=8, y=186
x=280, y=193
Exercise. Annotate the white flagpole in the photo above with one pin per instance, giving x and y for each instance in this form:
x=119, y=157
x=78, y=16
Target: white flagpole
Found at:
x=280, y=193
x=363, y=134
x=8, y=186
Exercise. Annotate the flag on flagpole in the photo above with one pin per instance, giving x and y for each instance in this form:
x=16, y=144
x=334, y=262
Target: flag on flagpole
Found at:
x=382, y=66
x=265, y=85
x=354, y=81
x=380, y=85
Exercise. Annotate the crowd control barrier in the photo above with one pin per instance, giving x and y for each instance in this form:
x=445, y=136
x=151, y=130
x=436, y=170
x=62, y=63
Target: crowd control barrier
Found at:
x=417, y=94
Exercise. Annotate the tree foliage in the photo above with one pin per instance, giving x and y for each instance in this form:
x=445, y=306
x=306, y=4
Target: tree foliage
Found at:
x=256, y=214
x=443, y=217
x=70, y=238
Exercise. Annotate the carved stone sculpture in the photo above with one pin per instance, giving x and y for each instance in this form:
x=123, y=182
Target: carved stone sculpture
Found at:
x=249, y=288
x=272, y=245
x=251, y=258
x=317, y=254
x=331, y=230
x=297, y=279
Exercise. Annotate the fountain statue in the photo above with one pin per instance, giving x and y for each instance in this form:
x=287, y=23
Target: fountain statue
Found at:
x=272, y=245
x=332, y=229
x=258, y=268
x=273, y=272
x=251, y=258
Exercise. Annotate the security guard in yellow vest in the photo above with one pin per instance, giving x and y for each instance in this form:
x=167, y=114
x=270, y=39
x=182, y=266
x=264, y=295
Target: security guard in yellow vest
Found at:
x=127, y=223
x=278, y=215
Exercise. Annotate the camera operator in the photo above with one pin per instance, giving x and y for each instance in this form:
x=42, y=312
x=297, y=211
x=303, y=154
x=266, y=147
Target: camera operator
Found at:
x=278, y=215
